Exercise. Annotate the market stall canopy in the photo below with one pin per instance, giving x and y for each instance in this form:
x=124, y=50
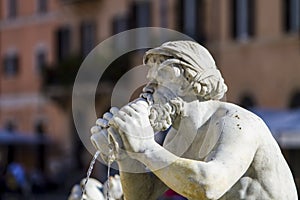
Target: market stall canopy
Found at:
x=19, y=138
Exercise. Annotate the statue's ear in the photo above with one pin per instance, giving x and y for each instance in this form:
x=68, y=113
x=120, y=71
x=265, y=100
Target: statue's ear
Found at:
x=189, y=74
x=200, y=89
x=204, y=90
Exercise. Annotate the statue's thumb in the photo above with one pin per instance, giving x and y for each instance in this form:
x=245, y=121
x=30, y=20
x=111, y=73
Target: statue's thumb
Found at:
x=115, y=137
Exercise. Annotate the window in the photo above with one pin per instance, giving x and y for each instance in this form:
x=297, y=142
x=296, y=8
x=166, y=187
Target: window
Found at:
x=191, y=12
x=163, y=12
x=42, y=6
x=12, y=8
x=40, y=59
x=63, y=38
x=120, y=24
x=243, y=19
x=291, y=9
x=141, y=14
x=88, y=37
x=11, y=65
x=140, y=17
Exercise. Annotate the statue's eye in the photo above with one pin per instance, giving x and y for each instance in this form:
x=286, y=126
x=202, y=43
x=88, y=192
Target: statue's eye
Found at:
x=177, y=71
x=162, y=59
x=166, y=73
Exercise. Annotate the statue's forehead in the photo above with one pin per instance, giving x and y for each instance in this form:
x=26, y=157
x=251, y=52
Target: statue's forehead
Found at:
x=155, y=59
x=192, y=54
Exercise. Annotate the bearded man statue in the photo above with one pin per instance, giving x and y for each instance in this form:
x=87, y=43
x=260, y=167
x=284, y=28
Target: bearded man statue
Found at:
x=213, y=149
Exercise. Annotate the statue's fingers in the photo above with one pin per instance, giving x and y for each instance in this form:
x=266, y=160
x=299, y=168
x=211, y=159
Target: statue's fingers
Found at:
x=100, y=141
x=107, y=116
x=114, y=110
x=142, y=103
x=116, y=137
x=119, y=141
x=121, y=115
x=95, y=129
x=136, y=107
x=140, y=108
x=119, y=124
x=102, y=123
x=130, y=111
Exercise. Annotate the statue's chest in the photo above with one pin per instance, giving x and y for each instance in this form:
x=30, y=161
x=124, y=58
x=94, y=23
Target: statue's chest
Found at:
x=193, y=142
x=246, y=188
x=203, y=142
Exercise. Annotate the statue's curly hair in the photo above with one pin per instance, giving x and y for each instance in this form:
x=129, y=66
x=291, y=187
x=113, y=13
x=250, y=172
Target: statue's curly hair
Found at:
x=198, y=66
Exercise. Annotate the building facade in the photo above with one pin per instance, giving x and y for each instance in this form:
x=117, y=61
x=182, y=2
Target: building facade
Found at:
x=255, y=44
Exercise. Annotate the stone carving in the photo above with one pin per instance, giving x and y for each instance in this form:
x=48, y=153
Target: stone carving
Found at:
x=98, y=191
x=213, y=150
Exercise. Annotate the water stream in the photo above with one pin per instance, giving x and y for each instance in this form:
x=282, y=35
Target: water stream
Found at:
x=110, y=160
x=89, y=172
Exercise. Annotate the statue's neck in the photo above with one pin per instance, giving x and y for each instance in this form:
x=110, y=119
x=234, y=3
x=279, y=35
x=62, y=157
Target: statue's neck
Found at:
x=197, y=113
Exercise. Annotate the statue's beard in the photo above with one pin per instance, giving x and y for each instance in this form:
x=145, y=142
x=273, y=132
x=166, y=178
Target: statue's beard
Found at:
x=163, y=115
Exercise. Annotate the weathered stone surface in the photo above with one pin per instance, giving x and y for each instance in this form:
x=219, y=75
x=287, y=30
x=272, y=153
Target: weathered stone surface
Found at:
x=214, y=149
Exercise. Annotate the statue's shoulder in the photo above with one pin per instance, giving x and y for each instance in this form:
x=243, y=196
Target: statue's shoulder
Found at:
x=238, y=113
x=233, y=117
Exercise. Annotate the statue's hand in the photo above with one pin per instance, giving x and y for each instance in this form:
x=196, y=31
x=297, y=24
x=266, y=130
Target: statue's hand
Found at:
x=133, y=125
x=101, y=139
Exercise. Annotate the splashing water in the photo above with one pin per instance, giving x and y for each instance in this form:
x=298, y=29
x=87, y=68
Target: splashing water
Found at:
x=88, y=174
x=110, y=160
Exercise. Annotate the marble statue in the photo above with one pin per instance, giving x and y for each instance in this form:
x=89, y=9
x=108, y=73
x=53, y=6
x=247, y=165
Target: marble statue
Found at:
x=95, y=190
x=213, y=149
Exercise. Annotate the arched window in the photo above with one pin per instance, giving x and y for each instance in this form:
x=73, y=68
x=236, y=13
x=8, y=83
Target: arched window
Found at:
x=11, y=65
x=40, y=60
x=87, y=36
x=243, y=20
x=190, y=15
x=42, y=6
x=291, y=14
x=12, y=8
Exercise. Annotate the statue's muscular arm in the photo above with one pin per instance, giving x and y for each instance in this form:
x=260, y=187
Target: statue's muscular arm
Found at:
x=211, y=179
x=139, y=186
x=143, y=185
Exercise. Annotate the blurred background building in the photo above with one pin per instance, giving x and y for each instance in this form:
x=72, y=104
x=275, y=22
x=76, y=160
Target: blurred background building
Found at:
x=43, y=42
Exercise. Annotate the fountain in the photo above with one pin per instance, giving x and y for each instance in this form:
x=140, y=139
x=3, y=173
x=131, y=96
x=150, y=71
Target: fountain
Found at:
x=213, y=150
x=89, y=172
